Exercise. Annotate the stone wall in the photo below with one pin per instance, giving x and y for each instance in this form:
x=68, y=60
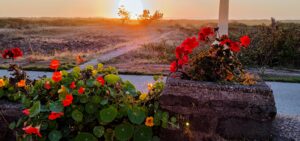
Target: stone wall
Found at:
x=218, y=111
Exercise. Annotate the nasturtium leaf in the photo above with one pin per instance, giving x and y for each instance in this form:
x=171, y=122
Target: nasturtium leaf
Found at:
x=99, y=131
x=90, y=108
x=56, y=106
x=1, y=92
x=164, y=119
x=155, y=138
x=83, y=136
x=130, y=88
x=44, y=125
x=112, y=92
x=143, y=133
x=136, y=115
x=104, y=102
x=95, y=99
x=112, y=79
x=77, y=115
x=109, y=114
x=55, y=135
x=35, y=109
x=124, y=132
x=12, y=125
x=90, y=83
x=83, y=99
x=157, y=117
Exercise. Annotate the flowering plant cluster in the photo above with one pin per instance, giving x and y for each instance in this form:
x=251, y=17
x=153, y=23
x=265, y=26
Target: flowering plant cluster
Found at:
x=218, y=64
x=90, y=104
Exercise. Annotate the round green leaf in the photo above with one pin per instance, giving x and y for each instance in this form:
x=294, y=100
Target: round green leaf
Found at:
x=90, y=108
x=98, y=131
x=85, y=137
x=124, y=132
x=129, y=87
x=56, y=106
x=83, y=99
x=108, y=115
x=35, y=109
x=136, y=115
x=112, y=79
x=55, y=135
x=96, y=99
x=77, y=115
x=143, y=133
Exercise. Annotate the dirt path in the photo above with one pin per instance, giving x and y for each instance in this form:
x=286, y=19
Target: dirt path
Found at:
x=124, y=48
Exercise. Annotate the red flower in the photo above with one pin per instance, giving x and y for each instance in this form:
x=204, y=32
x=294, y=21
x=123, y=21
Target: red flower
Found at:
x=57, y=76
x=184, y=60
x=201, y=37
x=189, y=44
x=179, y=51
x=73, y=85
x=101, y=80
x=54, y=64
x=32, y=130
x=68, y=100
x=55, y=115
x=173, y=67
x=16, y=52
x=207, y=31
x=47, y=85
x=226, y=42
x=12, y=53
x=234, y=46
x=245, y=41
x=81, y=90
x=26, y=112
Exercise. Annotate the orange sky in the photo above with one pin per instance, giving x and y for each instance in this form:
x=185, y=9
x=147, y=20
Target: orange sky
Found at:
x=180, y=9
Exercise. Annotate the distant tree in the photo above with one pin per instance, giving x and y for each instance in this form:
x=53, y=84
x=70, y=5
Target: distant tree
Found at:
x=124, y=14
x=147, y=18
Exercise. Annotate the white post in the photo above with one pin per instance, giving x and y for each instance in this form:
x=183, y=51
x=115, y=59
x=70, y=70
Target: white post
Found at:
x=223, y=17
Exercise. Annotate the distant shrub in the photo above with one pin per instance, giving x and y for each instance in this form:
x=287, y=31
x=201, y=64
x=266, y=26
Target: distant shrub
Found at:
x=147, y=18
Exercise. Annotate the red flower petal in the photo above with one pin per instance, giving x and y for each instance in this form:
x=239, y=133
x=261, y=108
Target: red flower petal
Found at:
x=245, y=41
x=73, y=85
x=101, y=80
x=54, y=64
x=81, y=90
x=26, y=112
x=57, y=76
x=173, y=66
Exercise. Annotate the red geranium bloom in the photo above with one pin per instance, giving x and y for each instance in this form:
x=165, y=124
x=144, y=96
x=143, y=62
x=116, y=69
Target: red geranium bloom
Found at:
x=7, y=54
x=179, y=51
x=173, y=67
x=32, y=130
x=234, y=46
x=189, y=44
x=184, y=60
x=81, y=90
x=54, y=64
x=26, y=112
x=73, y=85
x=201, y=37
x=16, y=52
x=68, y=100
x=47, y=85
x=101, y=80
x=207, y=31
x=55, y=115
x=226, y=42
x=245, y=41
x=57, y=76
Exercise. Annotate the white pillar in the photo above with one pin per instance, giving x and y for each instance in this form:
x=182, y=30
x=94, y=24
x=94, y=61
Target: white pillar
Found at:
x=223, y=17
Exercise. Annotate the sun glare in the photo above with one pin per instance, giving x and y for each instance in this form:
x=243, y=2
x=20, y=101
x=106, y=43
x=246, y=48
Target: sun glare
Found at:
x=135, y=7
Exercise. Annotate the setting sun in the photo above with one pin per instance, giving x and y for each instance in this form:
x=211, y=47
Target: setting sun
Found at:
x=135, y=8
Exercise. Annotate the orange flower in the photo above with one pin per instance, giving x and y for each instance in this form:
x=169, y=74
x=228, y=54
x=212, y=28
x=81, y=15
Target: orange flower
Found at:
x=21, y=83
x=81, y=90
x=32, y=130
x=79, y=60
x=54, y=64
x=57, y=76
x=47, y=85
x=229, y=76
x=149, y=122
x=55, y=115
x=26, y=112
x=68, y=100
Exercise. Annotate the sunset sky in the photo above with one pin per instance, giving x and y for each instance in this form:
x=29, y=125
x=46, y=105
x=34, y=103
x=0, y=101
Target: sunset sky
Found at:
x=179, y=9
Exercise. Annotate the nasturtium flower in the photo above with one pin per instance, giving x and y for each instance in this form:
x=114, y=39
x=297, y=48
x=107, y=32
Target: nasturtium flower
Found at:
x=54, y=64
x=94, y=72
x=189, y=44
x=81, y=90
x=101, y=80
x=79, y=60
x=16, y=52
x=26, y=112
x=143, y=96
x=2, y=83
x=47, y=85
x=21, y=83
x=245, y=41
x=73, y=85
x=55, y=115
x=234, y=46
x=229, y=76
x=57, y=76
x=207, y=31
x=68, y=100
x=32, y=130
x=173, y=66
x=150, y=86
x=12, y=53
x=149, y=122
